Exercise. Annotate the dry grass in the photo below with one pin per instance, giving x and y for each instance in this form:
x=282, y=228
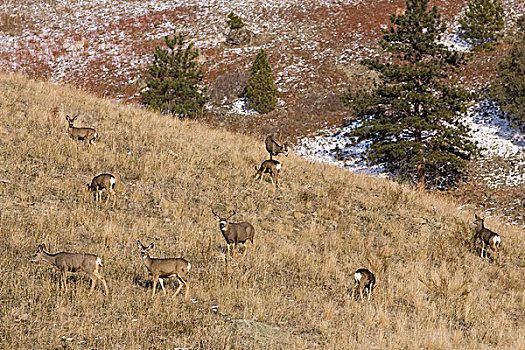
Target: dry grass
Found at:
x=433, y=289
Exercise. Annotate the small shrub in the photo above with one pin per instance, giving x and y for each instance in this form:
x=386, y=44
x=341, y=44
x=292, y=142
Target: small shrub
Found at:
x=482, y=22
x=261, y=93
x=234, y=21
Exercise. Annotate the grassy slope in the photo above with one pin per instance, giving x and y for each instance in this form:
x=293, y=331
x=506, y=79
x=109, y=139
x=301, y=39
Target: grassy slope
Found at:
x=433, y=291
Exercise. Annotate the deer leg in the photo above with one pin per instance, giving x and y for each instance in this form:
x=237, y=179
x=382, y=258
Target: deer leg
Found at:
x=181, y=284
x=370, y=291
x=245, y=249
x=162, y=285
x=155, y=280
x=114, y=197
x=361, y=289
x=103, y=280
x=64, y=280
x=482, y=247
x=187, y=293
x=93, y=282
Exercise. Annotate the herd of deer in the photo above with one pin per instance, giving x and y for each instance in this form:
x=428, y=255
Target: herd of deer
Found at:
x=234, y=233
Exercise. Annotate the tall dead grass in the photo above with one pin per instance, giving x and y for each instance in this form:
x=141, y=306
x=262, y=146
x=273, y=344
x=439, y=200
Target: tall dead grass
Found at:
x=433, y=290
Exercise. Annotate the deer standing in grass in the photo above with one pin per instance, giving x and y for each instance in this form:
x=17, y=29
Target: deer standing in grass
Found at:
x=487, y=237
x=88, y=134
x=364, y=280
x=235, y=232
x=274, y=148
x=271, y=167
x=103, y=182
x=165, y=268
x=73, y=262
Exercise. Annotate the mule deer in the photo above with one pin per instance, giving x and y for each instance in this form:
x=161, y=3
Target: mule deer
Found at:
x=274, y=148
x=487, y=237
x=235, y=232
x=165, y=268
x=269, y=166
x=88, y=134
x=365, y=280
x=103, y=182
x=73, y=262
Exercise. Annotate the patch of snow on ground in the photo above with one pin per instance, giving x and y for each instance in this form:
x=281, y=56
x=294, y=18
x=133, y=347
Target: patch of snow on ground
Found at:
x=489, y=128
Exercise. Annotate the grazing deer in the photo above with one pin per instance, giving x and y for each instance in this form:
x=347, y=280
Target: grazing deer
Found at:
x=103, y=182
x=165, y=268
x=365, y=280
x=235, y=232
x=73, y=262
x=88, y=134
x=487, y=237
x=271, y=167
x=274, y=148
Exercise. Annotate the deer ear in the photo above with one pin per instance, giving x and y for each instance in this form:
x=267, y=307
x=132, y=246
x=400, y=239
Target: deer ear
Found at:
x=139, y=244
x=42, y=247
x=217, y=218
x=151, y=246
x=67, y=117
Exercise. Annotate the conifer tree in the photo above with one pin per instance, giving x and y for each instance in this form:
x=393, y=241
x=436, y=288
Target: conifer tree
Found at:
x=174, y=85
x=508, y=89
x=482, y=22
x=234, y=21
x=412, y=118
x=261, y=94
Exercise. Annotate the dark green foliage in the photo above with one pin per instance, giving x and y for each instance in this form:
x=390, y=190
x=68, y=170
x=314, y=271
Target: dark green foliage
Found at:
x=175, y=78
x=261, y=94
x=482, y=22
x=509, y=86
x=412, y=118
x=234, y=21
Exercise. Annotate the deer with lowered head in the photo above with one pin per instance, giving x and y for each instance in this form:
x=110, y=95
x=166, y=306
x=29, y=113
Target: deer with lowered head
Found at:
x=274, y=148
x=487, y=237
x=88, y=134
x=103, y=182
x=73, y=262
x=235, y=232
x=364, y=281
x=269, y=166
x=165, y=268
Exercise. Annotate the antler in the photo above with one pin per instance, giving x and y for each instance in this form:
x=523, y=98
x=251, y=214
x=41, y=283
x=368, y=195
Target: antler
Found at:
x=213, y=210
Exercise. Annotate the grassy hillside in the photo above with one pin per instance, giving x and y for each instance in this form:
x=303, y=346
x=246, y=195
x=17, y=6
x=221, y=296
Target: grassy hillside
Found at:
x=433, y=289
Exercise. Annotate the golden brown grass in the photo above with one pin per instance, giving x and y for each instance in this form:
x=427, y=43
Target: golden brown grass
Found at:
x=433, y=290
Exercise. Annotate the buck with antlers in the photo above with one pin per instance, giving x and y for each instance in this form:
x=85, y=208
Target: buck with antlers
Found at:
x=235, y=232
x=487, y=237
x=73, y=262
x=88, y=134
x=271, y=167
x=165, y=268
x=274, y=148
x=103, y=182
x=364, y=280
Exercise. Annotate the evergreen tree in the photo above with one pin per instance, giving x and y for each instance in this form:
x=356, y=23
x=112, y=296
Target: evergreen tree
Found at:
x=175, y=79
x=412, y=118
x=261, y=94
x=234, y=21
x=509, y=86
x=482, y=22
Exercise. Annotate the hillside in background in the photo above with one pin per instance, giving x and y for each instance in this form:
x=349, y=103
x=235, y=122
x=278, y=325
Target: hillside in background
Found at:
x=433, y=290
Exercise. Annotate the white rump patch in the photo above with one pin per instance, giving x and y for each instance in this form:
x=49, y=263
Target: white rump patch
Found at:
x=189, y=267
x=99, y=261
x=112, y=180
x=96, y=135
x=497, y=240
x=358, y=276
x=278, y=166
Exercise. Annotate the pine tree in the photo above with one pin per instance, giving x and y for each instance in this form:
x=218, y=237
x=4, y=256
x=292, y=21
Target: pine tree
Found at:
x=175, y=80
x=482, y=22
x=234, y=21
x=412, y=118
x=508, y=89
x=261, y=94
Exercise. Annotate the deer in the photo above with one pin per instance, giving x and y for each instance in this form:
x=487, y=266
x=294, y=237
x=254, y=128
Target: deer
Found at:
x=88, y=134
x=235, y=232
x=269, y=166
x=487, y=237
x=364, y=281
x=164, y=268
x=103, y=182
x=274, y=148
x=74, y=262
